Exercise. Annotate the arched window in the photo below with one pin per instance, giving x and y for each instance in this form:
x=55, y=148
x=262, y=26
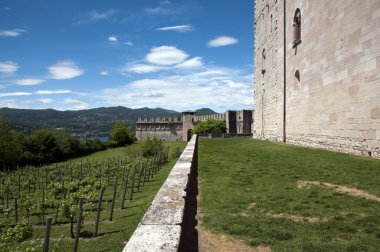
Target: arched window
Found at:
x=297, y=28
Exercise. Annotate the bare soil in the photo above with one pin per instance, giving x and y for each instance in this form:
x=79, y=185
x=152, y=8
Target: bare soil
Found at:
x=340, y=189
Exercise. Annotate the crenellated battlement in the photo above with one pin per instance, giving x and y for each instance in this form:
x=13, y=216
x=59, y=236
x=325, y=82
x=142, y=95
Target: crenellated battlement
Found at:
x=179, y=128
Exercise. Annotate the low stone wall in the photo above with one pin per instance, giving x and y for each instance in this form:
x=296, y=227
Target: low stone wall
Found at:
x=161, y=227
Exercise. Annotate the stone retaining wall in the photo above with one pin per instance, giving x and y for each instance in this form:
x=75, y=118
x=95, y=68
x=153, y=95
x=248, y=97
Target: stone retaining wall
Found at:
x=161, y=227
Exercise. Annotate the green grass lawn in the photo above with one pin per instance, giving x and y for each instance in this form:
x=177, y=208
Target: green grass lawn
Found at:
x=112, y=234
x=249, y=190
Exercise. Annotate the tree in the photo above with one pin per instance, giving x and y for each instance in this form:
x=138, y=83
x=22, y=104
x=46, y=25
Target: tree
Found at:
x=122, y=134
x=209, y=126
x=10, y=144
x=41, y=147
x=152, y=146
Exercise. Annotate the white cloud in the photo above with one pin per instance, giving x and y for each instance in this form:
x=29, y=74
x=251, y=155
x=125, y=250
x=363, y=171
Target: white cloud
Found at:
x=65, y=70
x=164, y=58
x=209, y=86
x=48, y=92
x=104, y=73
x=166, y=55
x=9, y=103
x=75, y=104
x=191, y=63
x=112, y=39
x=3, y=85
x=178, y=28
x=159, y=11
x=222, y=41
x=95, y=15
x=8, y=67
x=29, y=82
x=40, y=101
x=11, y=33
x=142, y=68
x=15, y=94
x=129, y=43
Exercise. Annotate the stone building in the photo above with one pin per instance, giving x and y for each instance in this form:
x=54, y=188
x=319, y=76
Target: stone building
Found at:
x=179, y=128
x=317, y=73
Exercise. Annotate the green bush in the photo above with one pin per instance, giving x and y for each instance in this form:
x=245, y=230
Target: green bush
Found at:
x=122, y=134
x=209, y=126
x=152, y=147
x=18, y=233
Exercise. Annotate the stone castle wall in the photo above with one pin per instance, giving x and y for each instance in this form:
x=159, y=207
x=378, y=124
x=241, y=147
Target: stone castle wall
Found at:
x=179, y=128
x=268, y=74
x=169, y=129
x=332, y=76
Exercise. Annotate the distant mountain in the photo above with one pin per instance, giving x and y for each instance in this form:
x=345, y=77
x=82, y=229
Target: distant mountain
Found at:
x=85, y=123
x=205, y=111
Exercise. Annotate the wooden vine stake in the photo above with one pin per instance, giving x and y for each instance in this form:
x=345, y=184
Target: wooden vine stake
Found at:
x=133, y=182
x=125, y=189
x=101, y=192
x=113, y=198
x=79, y=220
x=47, y=235
x=140, y=175
x=16, y=210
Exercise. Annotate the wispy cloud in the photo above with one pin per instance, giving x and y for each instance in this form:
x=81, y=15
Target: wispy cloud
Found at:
x=48, y=92
x=29, y=82
x=159, y=11
x=142, y=68
x=112, y=39
x=14, y=94
x=42, y=101
x=9, y=103
x=128, y=43
x=104, y=73
x=94, y=15
x=8, y=67
x=222, y=41
x=178, y=28
x=11, y=33
x=64, y=70
x=75, y=104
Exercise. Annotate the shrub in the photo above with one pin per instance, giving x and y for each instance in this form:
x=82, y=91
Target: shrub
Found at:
x=209, y=126
x=152, y=147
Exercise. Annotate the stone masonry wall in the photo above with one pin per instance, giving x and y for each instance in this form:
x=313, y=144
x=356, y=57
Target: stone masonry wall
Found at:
x=161, y=227
x=333, y=75
x=268, y=75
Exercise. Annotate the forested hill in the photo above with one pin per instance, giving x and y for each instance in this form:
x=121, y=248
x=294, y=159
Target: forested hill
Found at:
x=89, y=122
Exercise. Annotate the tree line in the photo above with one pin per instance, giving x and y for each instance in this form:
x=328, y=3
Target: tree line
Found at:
x=44, y=146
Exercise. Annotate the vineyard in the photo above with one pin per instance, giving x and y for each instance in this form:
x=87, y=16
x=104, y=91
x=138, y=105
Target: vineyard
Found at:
x=88, y=204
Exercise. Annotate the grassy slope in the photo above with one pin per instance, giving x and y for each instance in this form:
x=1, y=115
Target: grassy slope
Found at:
x=112, y=234
x=247, y=183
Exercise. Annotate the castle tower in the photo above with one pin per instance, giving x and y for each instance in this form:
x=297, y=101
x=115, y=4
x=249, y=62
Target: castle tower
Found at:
x=188, y=118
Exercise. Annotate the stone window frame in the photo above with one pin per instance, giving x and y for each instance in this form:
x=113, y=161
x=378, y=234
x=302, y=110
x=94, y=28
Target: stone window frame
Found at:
x=297, y=28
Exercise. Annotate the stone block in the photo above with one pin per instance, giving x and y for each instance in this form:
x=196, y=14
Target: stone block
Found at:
x=154, y=238
x=164, y=214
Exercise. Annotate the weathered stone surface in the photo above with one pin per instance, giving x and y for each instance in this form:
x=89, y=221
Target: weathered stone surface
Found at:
x=154, y=238
x=160, y=228
x=332, y=76
x=164, y=214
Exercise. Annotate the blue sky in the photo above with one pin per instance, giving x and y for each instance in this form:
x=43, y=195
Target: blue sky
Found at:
x=77, y=54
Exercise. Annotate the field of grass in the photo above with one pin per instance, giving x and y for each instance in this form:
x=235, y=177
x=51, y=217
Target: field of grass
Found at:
x=271, y=194
x=112, y=234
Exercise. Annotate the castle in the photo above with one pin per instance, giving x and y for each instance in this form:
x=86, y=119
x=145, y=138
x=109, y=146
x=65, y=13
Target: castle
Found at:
x=317, y=74
x=179, y=128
